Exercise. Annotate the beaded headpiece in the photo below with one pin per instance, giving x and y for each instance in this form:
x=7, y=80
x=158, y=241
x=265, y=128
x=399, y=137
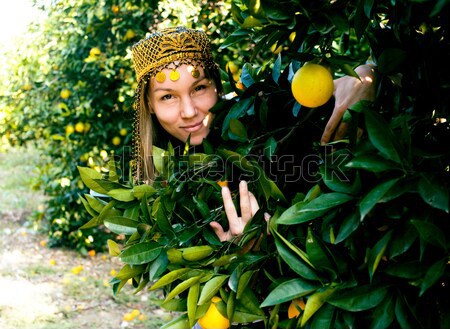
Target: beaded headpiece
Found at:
x=166, y=49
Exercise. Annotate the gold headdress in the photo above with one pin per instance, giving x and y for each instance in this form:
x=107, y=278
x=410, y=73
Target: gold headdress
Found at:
x=166, y=49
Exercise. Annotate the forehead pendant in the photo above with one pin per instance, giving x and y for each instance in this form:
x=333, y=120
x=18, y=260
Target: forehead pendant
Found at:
x=160, y=77
x=195, y=73
x=174, y=75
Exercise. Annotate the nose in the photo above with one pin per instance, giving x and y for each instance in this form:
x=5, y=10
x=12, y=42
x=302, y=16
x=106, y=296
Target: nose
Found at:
x=189, y=108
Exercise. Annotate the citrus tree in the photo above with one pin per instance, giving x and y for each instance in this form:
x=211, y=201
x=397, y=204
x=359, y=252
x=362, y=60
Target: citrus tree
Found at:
x=357, y=234
x=70, y=93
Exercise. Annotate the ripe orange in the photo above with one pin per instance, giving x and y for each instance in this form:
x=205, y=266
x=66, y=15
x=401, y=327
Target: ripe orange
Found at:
x=213, y=319
x=65, y=93
x=293, y=311
x=116, y=140
x=95, y=52
x=115, y=9
x=130, y=34
x=79, y=127
x=312, y=85
x=69, y=129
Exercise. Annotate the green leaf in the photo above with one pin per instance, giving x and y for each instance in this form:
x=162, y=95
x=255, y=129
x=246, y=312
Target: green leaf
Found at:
x=377, y=252
x=402, y=240
x=372, y=163
x=88, y=176
x=294, y=248
x=359, y=299
x=315, y=302
x=374, y=196
x=434, y=273
x=383, y=315
x=95, y=203
x=237, y=111
x=404, y=314
x=411, y=270
x=182, y=286
x=381, y=136
x=289, y=290
x=324, y=317
x=211, y=288
x=430, y=233
x=169, y=278
x=303, y=212
x=349, y=225
x=434, y=191
x=192, y=299
x=122, y=194
x=113, y=248
x=158, y=266
x=318, y=253
x=249, y=303
x=121, y=225
x=130, y=271
x=295, y=262
x=140, y=190
x=391, y=60
x=108, y=211
x=238, y=130
x=243, y=282
x=182, y=322
x=141, y=253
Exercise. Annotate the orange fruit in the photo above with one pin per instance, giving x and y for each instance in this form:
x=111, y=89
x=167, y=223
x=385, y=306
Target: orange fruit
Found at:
x=293, y=311
x=312, y=85
x=213, y=319
x=69, y=129
x=95, y=52
x=116, y=140
x=65, y=93
x=79, y=127
x=130, y=34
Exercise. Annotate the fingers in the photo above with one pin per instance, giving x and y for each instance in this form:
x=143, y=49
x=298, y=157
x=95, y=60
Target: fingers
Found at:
x=341, y=131
x=246, y=204
x=218, y=229
x=228, y=204
x=331, y=125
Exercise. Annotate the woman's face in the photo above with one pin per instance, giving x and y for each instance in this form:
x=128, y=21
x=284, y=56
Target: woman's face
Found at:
x=182, y=106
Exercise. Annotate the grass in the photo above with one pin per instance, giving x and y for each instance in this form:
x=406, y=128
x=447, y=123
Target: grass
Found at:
x=18, y=178
x=49, y=288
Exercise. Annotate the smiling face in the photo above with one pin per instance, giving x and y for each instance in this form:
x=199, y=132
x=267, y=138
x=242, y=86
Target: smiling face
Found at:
x=182, y=106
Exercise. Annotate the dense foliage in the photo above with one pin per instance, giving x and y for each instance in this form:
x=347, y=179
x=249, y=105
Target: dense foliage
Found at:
x=359, y=226
x=358, y=231
x=70, y=92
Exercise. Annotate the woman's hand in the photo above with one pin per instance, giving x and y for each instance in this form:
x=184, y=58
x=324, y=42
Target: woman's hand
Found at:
x=249, y=206
x=348, y=91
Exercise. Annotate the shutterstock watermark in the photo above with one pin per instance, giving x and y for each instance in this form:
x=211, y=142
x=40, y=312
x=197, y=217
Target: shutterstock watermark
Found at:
x=288, y=168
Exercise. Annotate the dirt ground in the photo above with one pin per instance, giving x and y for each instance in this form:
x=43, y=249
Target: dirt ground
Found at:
x=45, y=288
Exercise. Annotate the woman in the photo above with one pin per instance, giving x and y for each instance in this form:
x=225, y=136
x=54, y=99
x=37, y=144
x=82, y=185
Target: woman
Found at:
x=178, y=83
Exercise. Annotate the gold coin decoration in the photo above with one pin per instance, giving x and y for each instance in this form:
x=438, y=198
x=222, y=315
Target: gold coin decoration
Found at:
x=174, y=75
x=160, y=77
x=195, y=73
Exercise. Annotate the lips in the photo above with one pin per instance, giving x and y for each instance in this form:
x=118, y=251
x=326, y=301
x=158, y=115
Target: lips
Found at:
x=193, y=128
